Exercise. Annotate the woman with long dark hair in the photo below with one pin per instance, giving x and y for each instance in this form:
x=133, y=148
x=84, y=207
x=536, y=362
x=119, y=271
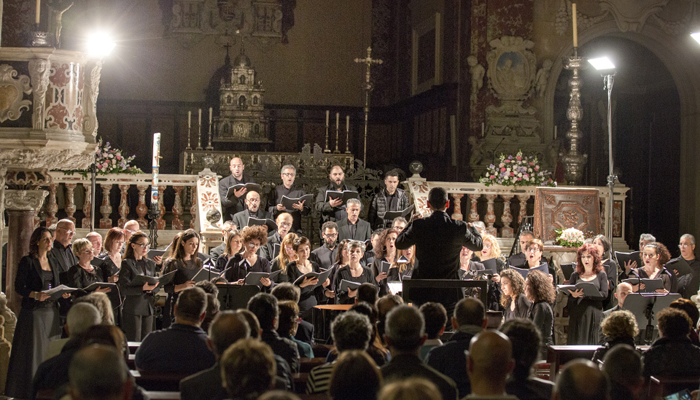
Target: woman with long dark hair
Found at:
x=310, y=293
x=185, y=262
x=610, y=267
x=285, y=256
x=384, y=253
x=586, y=313
x=540, y=291
x=38, y=321
x=112, y=257
x=139, y=300
x=654, y=258
x=513, y=300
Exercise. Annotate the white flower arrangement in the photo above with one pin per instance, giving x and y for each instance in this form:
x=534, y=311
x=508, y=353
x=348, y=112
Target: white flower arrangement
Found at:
x=517, y=170
x=570, y=237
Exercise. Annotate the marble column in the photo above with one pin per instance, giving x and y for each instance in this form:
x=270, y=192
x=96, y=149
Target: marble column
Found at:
x=21, y=206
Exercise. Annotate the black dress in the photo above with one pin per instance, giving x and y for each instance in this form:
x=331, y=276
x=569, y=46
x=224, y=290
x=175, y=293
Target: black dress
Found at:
x=522, y=308
x=344, y=273
x=610, y=267
x=37, y=324
x=185, y=271
x=586, y=313
x=107, y=267
x=542, y=315
x=668, y=279
x=79, y=278
x=239, y=268
x=310, y=295
x=282, y=276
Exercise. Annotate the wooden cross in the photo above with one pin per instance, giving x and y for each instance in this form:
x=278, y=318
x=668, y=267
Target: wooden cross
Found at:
x=368, y=61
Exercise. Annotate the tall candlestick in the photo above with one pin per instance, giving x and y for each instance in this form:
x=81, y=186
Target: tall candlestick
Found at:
x=200, y=117
x=189, y=119
x=347, y=123
x=156, y=167
x=211, y=110
x=575, y=24
x=189, y=129
x=38, y=12
x=483, y=131
x=347, y=134
x=199, y=132
x=328, y=114
x=555, y=131
x=337, y=128
x=337, y=120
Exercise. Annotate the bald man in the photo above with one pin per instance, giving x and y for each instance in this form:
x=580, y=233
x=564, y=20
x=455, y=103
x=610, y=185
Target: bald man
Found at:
x=581, y=380
x=489, y=362
x=61, y=255
x=253, y=209
x=99, y=371
x=231, y=205
x=284, y=223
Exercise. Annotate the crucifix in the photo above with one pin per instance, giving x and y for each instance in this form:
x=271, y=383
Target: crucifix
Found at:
x=367, y=88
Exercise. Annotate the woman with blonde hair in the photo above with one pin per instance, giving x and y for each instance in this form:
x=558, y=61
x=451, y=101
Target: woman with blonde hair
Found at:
x=513, y=300
x=620, y=327
x=491, y=250
x=248, y=261
x=285, y=256
x=404, y=264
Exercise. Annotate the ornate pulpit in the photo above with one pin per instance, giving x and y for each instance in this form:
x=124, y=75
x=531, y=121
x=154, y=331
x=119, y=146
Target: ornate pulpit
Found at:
x=562, y=208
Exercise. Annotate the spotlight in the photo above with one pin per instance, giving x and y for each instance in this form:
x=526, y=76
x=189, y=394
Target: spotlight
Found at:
x=696, y=36
x=602, y=63
x=100, y=44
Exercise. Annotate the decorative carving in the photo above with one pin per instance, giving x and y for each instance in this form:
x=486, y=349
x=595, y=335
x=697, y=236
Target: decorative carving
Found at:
x=123, y=205
x=473, y=214
x=457, y=200
x=550, y=200
x=24, y=200
x=39, y=70
x=87, y=207
x=507, y=217
x=70, y=201
x=490, y=217
x=51, y=206
x=105, y=208
x=560, y=208
x=268, y=21
x=512, y=69
x=141, y=208
x=542, y=77
x=64, y=109
x=92, y=90
x=27, y=179
x=80, y=156
x=477, y=72
x=12, y=91
x=631, y=15
x=523, y=206
x=573, y=160
x=177, y=209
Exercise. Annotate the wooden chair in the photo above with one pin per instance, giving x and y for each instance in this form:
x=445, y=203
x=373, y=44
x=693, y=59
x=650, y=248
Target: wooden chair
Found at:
x=159, y=381
x=307, y=364
x=660, y=386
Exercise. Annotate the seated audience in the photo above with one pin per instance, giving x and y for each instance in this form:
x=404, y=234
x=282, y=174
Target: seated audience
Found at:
x=621, y=292
x=355, y=376
x=513, y=300
x=264, y=307
x=405, y=334
x=489, y=362
x=524, y=336
x=227, y=328
x=692, y=310
x=212, y=309
x=279, y=395
x=412, y=389
x=287, y=291
x=248, y=369
x=81, y=316
x=287, y=327
x=673, y=354
x=376, y=348
x=349, y=331
x=435, y=317
x=468, y=319
x=624, y=368
x=581, y=380
x=99, y=372
x=102, y=303
x=619, y=328
x=384, y=305
x=182, y=347
x=367, y=292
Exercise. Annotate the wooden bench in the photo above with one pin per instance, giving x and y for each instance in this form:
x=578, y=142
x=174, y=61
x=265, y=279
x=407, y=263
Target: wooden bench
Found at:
x=159, y=381
x=163, y=395
x=322, y=350
x=660, y=386
x=307, y=364
x=557, y=356
x=300, y=379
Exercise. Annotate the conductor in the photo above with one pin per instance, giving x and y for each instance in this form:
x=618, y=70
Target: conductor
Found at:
x=438, y=240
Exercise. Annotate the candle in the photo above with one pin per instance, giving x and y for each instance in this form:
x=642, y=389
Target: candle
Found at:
x=555, y=131
x=337, y=120
x=200, y=117
x=573, y=13
x=328, y=114
x=38, y=12
x=156, y=163
x=483, y=131
x=189, y=119
x=210, y=113
x=347, y=123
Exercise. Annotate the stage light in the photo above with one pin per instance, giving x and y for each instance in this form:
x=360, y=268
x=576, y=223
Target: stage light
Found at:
x=602, y=63
x=696, y=35
x=100, y=44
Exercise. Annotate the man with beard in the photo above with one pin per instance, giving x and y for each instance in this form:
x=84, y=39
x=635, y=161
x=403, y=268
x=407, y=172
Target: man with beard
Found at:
x=334, y=209
x=325, y=255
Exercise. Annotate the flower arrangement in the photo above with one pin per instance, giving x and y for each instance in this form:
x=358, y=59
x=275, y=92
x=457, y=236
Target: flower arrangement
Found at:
x=109, y=160
x=517, y=170
x=571, y=237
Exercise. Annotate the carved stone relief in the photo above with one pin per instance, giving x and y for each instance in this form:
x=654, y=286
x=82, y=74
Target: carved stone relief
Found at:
x=39, y=70
x=24, y=200
x=12, y=91
x=92, y=90
x=46, y=158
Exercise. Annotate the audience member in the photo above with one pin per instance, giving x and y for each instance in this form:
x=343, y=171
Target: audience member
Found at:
x=182, y=347
x=692, y=310
x=618, y=328
x=279, y=395
x=287, y=291
x=248, y=369
x=435, y=317
x=355, y=376
x=412, y=389
x=489, y=362
x=99, y=372
x=389, y=198
x=367, y=292
x=349, y=331
x=81, y=316
x=102, y=303
x=264, y=306
x=227, y=328
x=624, y=368
x=524, y=337
x=287, y=327
x=405, y=334
x=376, y=348
x=581, y=380
x=673, y=354
x=384, y=305
x=213, y=307
x=468, y=319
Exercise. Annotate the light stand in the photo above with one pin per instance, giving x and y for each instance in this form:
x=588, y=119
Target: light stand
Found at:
x=607, y=69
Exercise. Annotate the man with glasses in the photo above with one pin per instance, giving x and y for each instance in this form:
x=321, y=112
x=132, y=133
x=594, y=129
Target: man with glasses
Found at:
x=132, y=226
x=217, y=251
x=287, y=188
x=252, y=202
x=234, y=204
x=325, y=255
x=686, y=267
x=284, y=224
x=61, y=255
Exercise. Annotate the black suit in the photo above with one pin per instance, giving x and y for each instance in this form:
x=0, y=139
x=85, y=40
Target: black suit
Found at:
x=268, y=249
x=62, y=257
x=229, y=207
x=138, y=306
x=329, y=213
x=404, y=366
x=363, y=231
x=438, y=240
x=216, y=252
x=275, y=198
x=241, y=218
